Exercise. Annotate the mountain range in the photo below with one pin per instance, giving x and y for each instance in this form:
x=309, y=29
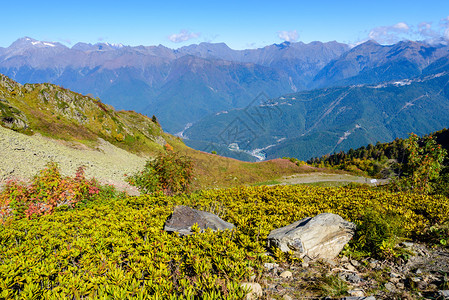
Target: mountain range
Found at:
x=179, y=86
x=194, y=88
x=322, y=121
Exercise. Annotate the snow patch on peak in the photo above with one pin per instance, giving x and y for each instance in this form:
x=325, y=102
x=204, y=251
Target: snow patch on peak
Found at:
x=42, y=44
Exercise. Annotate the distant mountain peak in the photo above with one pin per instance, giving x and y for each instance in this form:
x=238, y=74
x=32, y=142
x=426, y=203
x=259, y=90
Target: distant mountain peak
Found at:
x=27, y=42
x=283, y=45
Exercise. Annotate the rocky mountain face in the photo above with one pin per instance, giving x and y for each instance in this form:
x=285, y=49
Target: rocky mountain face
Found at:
x=371, y=63
x=181, y=85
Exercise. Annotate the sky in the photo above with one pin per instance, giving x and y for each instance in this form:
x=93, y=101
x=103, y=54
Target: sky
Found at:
x=239, y=24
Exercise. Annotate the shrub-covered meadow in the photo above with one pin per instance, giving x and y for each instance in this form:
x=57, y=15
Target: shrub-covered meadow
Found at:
x=115, y=247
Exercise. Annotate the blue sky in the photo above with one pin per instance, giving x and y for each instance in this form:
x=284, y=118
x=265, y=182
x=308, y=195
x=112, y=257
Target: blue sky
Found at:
x=240, y=24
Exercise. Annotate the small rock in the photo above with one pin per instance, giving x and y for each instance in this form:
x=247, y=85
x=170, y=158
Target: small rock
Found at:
x=415, y=279
x=356, y=293
x=418, y=271
x=350, y=267
x=287, y=297
x=400, y=285
x=355, y=263
x=286, y=274
x=374, y=264
x=394, y=275
x=270, y=266
x=353, y=278
x=252, y=278
x=444, y=294
x=432, y=287
x=344, y=259
x=305, y=264
x=255, y=290
x=358, y=298
x=184, y=217
x=422, y=285
x=394, y=279
x=390, y=287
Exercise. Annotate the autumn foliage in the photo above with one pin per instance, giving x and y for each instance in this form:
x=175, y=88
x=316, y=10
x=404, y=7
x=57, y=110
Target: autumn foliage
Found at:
x=48, y=191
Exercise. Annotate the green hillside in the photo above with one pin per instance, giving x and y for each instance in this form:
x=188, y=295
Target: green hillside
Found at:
x=319, y=122
x=63, y=115
x=59, y=113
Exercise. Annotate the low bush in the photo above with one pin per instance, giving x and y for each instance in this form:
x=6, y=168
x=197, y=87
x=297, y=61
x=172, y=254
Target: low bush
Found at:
x=117, y=248
x=169, y=172
x=48, y=191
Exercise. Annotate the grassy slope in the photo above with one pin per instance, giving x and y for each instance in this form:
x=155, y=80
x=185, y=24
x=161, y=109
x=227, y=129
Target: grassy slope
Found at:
x=59, y=113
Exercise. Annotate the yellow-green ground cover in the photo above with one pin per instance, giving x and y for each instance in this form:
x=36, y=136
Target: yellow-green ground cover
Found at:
x=117, y=249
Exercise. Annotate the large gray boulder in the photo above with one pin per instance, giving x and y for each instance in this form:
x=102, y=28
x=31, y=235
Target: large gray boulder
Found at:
x=322, y=236
x=184, y=217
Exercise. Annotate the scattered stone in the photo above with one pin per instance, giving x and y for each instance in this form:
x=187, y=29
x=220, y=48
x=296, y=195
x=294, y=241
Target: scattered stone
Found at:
x=270, y=266
x=322, y=236
x=286, y=274
x=358, y=298
x=394, y=275
x=415, y=279
x=287, y=297
x=252, y=278
x=344, y=259
x=353, y=278
x=255, y=290
x=390, y=287
x=444, y=294
x=400, y=285
x=418, y=271
x=350, y=267
x=355, y=263
x=394, y=279
x=407, y=244
x=422, y=285
x=184, y=217
x=356, y=293
x=304, y=264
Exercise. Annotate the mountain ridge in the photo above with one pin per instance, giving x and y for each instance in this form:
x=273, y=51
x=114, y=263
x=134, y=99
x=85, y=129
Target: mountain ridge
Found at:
x=98, y=69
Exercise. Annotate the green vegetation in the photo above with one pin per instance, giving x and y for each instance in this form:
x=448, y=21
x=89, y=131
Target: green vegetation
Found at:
x=169, y=173
x=59, y=113
x=69, y=237
x=413, y=164
x=116, y=248
x=323, y=121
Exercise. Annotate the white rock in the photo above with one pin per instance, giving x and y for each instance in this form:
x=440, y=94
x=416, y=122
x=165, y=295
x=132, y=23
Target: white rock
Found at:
x=356, y=293
x=322, y=236
x=286, y=274
x=255, y=290
x=270, y=266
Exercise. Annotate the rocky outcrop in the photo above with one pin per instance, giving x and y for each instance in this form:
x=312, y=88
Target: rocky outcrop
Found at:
x=322, y=236
x=11, y=117
x=184, y=217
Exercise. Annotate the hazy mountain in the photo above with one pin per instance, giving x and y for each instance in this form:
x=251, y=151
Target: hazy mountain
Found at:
x=181, y=85
x=314, y=123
